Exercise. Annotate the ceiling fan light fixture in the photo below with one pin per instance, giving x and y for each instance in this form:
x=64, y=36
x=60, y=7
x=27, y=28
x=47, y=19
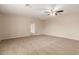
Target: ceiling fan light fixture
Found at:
x=54, y=14
x=51, y=14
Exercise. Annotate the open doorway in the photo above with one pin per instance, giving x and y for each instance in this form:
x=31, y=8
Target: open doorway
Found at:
x=32, y=28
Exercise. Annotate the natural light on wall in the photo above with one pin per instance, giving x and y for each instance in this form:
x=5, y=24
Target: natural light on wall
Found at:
x=33, y=28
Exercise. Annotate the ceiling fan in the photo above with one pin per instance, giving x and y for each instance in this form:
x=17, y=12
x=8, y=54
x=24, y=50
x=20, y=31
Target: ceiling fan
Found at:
x=54, y=11
x=50, y=11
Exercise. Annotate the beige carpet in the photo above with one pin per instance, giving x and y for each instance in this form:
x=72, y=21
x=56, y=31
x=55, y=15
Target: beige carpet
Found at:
x=39, y=45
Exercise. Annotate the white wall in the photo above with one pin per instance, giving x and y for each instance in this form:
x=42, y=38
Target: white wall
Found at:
x=14, y=26
x=63, y=26
x=39, y=26
x=1, y=27
x=18, y=26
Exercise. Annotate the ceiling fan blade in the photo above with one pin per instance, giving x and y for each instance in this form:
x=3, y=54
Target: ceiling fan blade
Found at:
x=58, y=7
x=46, y=12
x=27, y=4
x=60, y=11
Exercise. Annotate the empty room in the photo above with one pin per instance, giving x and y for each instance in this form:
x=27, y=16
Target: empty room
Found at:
x=39, y=29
